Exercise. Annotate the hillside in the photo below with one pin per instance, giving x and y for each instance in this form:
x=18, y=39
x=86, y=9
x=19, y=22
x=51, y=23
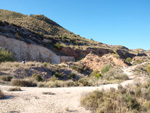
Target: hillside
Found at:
x=42, y=31
x=49, y=29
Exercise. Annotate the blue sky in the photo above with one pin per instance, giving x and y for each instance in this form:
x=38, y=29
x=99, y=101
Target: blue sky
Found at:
x=115, y=22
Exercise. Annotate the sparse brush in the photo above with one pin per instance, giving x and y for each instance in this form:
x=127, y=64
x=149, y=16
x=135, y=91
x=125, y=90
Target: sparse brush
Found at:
x=22, y=82
x=6, y=78
x=106, y=68
x=37, y=77
x=5, y=55
x=130, y=99
x=46, y=64
x=14, y=89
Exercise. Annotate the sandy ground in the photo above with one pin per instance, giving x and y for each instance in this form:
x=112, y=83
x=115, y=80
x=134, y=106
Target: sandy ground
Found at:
x=61, y=100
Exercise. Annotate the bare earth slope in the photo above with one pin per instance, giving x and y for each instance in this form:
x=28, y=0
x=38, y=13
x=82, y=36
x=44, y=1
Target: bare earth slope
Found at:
x=60, y=100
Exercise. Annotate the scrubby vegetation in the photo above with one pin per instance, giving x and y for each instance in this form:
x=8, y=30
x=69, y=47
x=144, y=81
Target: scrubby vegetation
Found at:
x=128, y=60
x=133, y=99
x=148, y=69
x=142, y=69
x=37, y=77
x=106, y=68
x=115, y=74
x=96, y=74
x=22, y=82
x=14, y=89
x=5, y=55
x=6, y=77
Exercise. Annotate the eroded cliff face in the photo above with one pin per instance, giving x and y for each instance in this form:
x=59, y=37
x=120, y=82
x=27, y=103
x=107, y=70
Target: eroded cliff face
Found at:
x=31, y=52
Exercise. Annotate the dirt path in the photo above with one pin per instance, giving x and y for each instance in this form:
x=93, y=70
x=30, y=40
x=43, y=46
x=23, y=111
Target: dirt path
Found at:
x=61, y=100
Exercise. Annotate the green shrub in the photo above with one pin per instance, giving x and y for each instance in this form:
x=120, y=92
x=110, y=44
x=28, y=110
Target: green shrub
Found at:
x=128, y=60
x=148, y=69
x=122, y=76
x=22, y=82
x=79, y=68
x=59, y=75
x=96, y=74
x=6, y=78
x=83, y=82
x=115, y=74
x=72, y=76
x=106, y=68
x=46, y=64
x=37, y=77
x=64, y=37
x=5, y=56
x=57, y=45
x=111, y=100
x=1, y=94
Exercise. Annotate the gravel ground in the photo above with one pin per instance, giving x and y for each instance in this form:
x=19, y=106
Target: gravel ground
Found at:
x=49, y=100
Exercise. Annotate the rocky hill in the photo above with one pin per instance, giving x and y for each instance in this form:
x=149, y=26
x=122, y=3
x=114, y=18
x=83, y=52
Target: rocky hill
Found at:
x=46, y=39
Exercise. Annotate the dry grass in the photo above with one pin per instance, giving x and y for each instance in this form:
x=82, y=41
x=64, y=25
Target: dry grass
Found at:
x=6, y=78
x=133, y=99
x=22, y=82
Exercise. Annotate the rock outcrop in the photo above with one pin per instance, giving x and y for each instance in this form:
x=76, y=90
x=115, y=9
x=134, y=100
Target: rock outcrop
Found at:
x=31, y=52
x=95, y=62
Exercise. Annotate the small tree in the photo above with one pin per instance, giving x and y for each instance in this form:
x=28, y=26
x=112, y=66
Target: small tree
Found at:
x=92, y=39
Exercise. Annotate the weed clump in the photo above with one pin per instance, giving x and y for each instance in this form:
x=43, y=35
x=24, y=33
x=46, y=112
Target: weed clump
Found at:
x=6, y=78
x=133, y=99
x=22, y=82
x=148, y=69
x=106, y=68
x=37, y=77
x=96, y=74
x=128, y=60
x=5, y=55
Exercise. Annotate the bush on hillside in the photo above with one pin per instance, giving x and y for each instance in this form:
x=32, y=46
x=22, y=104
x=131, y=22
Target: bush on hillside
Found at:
x=57, y=45
x=37, y=77
x=6, y=78
x=148, y=69
x=96, y=74
x=106, y=68
x=5, y=55
x=115, y=74
x=53, y=78
x=128, y=60
x=46, y=64
x=79, y=68
x=64, y=37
